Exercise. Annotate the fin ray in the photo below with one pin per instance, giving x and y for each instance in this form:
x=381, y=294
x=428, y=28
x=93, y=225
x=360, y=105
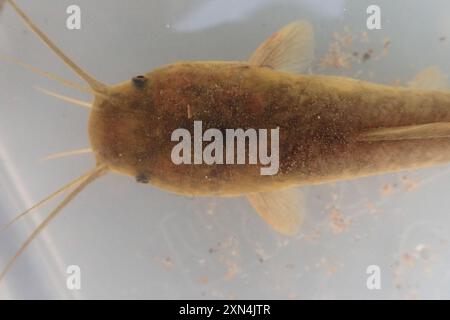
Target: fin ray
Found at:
x=283, y=210
x=291, y=49
x=415, y=132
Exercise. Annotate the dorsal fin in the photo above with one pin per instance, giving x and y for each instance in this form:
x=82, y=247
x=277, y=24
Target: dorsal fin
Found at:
x=291, y=49
x=431, y=78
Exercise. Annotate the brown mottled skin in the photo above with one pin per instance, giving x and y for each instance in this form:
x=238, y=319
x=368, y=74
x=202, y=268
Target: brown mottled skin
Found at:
x=318, y=116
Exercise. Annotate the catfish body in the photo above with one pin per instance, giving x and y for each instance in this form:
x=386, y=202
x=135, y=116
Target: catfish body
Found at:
x=321, y=120
x=329, y=128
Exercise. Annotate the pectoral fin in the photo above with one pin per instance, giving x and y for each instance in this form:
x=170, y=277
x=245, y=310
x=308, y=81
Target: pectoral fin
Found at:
x=423, y=131
x=431, y=78
x=291, y=49
x=282, y=210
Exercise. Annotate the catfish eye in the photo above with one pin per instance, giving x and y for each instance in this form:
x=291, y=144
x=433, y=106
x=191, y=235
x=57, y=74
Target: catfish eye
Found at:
x=139, y=81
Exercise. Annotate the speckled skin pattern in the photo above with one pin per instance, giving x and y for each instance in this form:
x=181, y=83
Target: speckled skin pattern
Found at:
x=318, y=116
